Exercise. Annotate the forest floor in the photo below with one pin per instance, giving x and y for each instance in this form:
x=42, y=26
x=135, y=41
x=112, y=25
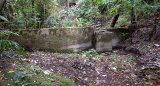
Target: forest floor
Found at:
x=107, y=69
x=136, y=65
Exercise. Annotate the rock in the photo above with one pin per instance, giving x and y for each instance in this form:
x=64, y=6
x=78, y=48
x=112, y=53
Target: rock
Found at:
x=156, y=45
x=134, y=50
x=47, y=72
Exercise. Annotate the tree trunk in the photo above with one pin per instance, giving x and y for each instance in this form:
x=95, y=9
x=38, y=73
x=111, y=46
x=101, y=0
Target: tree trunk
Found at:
x=156, y=30
x=2, y=2
x=114, y=20
x=133, y=18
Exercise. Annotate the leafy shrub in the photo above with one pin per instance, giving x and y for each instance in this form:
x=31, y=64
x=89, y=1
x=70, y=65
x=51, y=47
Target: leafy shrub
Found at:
x=90, y=53
x=122, y=21
x=52, y=20
x=7, y=46
x=86, y=10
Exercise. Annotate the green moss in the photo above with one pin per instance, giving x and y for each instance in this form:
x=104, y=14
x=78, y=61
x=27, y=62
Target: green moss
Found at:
x=65, y=82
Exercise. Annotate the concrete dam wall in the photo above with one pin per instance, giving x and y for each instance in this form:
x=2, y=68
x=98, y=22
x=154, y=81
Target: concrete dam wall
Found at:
x=66, y=39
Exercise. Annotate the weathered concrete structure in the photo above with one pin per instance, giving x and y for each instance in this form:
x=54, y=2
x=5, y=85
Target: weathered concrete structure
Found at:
x=59, y=39
x=67, y=39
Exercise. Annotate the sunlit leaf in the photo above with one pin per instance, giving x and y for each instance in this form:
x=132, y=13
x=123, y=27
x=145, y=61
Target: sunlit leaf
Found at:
x=11, y=71
x=3, y=18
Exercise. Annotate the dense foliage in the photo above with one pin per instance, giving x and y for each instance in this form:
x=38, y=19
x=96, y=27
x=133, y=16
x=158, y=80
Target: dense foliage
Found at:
x=78, y=15
x=49, y=13
x=141, y=8
x=26, y=13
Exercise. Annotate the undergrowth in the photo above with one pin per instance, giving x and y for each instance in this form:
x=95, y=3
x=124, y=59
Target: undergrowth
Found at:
x=32, y=75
